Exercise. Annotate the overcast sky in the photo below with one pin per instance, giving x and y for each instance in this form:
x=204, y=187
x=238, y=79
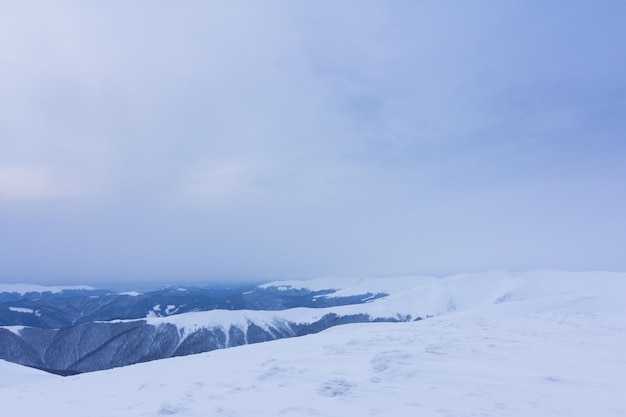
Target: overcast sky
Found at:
x=193, y=141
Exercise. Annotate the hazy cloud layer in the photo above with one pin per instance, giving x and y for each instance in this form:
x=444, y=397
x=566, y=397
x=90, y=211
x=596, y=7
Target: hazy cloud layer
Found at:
x=191, y=140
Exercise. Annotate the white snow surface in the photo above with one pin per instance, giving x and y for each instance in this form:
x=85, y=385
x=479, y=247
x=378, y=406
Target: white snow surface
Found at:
x=14, y=329
x=130, y=293
x=26, y=288
x=416, y=296
x=539, y=343
x=347, y=286
x=12, y=374
x=22, y=310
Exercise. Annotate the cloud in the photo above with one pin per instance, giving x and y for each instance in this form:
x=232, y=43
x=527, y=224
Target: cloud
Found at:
x=32, y=183
x=23, y=182
x=304, y=138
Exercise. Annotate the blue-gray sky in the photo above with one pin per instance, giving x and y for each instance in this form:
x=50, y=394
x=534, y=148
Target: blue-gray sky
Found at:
x=195, y=141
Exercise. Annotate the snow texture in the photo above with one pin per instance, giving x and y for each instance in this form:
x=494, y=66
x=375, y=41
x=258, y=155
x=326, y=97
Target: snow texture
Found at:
x=541, y=343
x=12, y=374
x=22, y=310
x=27, y=288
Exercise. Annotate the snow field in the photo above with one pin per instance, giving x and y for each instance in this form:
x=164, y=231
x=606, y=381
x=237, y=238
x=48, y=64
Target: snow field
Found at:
x=553, y=347
x=12, y=374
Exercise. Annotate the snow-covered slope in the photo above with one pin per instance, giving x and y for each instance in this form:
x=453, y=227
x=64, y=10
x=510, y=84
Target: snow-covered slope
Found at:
x=27, y=288
x=535, y=344
x=422, y=296
x=105, y=344
x=12, y=374
x=468, y=290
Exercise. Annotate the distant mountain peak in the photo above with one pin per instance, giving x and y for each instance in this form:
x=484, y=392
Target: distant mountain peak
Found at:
x=28, y=288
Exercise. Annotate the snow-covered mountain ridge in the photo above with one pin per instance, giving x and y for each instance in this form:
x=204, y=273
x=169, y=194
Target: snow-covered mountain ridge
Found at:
x=422, y=295
x=23, y=289
x=104, y=344
x=539, y=343
x=70, y=307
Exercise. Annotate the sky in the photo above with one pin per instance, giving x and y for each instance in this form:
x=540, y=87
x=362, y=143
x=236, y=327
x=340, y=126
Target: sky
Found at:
x=193, y=141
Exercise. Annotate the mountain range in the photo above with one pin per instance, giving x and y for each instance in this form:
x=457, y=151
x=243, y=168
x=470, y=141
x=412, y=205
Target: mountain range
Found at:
x=83, y=329
x=542, y=343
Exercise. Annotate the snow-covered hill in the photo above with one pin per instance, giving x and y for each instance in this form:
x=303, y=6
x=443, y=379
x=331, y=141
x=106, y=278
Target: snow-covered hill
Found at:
x=12, y=374
x=541, y=343
x=422, y=295
x=105, y=344
x=30, y=288
x=56, y=307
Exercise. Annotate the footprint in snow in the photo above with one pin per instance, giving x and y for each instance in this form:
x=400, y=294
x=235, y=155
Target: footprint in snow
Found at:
x=168, y=409
x=336, y=388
